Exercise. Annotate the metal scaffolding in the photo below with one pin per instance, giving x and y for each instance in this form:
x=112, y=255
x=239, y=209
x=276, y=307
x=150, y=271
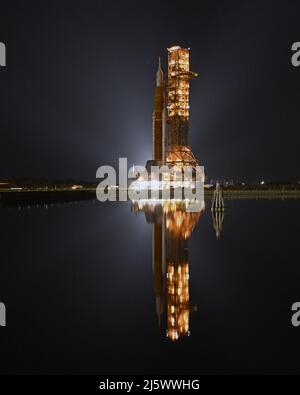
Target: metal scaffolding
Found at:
x=178, y=107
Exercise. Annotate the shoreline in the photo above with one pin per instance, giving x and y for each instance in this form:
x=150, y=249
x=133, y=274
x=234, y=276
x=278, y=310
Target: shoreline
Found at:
x=45, y=196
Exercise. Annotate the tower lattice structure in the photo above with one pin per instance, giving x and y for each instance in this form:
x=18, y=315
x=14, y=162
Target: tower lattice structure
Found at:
x=178, y=151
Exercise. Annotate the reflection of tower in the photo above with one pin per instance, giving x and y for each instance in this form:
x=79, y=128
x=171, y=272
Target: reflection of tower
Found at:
x=172, y=227
x=218, y=219
x=218, y=208
x=178, y=151
x=179, y=226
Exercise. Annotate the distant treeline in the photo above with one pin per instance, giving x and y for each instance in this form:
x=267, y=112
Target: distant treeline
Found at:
x=274, y=186
x=43, y=182
x=24, y=182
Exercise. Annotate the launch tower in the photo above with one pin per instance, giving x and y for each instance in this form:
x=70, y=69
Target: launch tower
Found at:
x=172, y=112
x=178, y=151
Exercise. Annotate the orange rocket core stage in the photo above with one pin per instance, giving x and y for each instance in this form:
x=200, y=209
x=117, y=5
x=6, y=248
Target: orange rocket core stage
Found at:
x=158, y=118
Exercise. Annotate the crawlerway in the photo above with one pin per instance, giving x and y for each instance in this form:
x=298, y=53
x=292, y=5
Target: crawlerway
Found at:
x=116, y=385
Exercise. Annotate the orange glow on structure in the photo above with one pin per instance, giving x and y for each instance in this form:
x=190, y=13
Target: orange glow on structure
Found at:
x=178, y=309
x=178, y=82
x=172, y=227
x=178, y=107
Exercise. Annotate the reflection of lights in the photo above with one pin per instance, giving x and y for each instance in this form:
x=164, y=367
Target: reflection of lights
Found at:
x=170, y=205
x=178, y=224
x=165, y=185
x=178, y=300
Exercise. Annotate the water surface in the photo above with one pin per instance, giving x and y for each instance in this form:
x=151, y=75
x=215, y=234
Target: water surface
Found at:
x=79, y=288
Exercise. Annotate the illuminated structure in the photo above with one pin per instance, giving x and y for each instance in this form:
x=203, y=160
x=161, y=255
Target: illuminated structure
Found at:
x=172, y=111
x=172, y=228
x=178, y=151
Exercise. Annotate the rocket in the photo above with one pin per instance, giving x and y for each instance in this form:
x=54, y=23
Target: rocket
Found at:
x=159, y=119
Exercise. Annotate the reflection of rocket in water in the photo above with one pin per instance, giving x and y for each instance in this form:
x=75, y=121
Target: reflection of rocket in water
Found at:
x=158, y=266
x=172, y=227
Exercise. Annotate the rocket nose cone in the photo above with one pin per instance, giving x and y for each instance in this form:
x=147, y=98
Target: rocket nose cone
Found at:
x=159, y=74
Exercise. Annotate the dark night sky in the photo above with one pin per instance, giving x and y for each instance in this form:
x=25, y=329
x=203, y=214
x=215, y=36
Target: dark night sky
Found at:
x=78, y=88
